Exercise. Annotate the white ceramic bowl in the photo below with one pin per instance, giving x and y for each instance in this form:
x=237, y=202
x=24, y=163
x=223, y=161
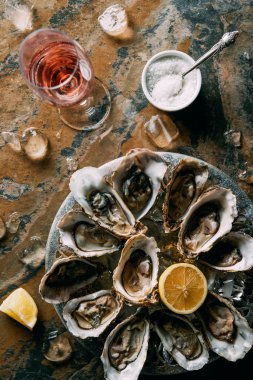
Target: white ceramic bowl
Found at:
x=157, y=57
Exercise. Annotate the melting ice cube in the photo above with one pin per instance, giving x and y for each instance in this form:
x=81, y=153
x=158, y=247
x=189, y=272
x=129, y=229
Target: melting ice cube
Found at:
x=161, y=135
x=114, y=20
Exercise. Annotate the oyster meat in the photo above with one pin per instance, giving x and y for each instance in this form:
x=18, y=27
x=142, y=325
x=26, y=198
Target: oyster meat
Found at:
x=183, y=186
x=85, y=237
x=125, y=349
x=207, y=220
x=181, y=339
x=227, y=331
x=90, y=315
x=66, y=276
x=138, y=180
x=135, y=277
x=102, y=203
x=234, y=252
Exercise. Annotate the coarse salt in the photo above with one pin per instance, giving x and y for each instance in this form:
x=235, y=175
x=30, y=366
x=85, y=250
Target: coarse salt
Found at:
x=166, y=85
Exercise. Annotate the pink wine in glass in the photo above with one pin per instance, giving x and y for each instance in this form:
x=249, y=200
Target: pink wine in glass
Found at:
x=56, y=68
x=66, y=80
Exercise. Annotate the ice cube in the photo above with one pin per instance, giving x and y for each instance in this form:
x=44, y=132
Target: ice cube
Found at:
x=114, y=20
x=161, y=135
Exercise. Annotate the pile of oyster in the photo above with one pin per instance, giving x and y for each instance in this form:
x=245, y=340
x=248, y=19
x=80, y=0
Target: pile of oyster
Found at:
x=134, y=222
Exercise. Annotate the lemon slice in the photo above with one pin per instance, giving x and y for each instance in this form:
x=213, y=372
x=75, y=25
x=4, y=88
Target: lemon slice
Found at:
x=20, y=306
x=183, y=288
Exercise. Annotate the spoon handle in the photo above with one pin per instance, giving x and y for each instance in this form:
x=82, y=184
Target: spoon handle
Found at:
x=226, y=40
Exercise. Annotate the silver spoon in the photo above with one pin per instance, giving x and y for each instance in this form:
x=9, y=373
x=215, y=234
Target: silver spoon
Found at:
x=225, y=41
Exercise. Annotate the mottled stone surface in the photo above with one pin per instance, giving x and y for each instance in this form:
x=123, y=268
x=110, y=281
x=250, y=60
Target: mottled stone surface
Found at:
x=36, y=190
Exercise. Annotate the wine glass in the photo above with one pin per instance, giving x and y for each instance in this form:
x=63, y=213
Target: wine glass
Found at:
x=56, y=68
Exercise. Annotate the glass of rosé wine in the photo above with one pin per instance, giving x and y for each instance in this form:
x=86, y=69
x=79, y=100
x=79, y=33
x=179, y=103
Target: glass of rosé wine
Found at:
x=57, y=69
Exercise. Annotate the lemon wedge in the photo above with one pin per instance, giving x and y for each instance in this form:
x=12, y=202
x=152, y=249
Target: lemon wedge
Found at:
x=20, y=306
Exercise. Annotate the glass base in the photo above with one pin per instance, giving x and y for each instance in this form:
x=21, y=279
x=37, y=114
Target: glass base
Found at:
x=92, y=113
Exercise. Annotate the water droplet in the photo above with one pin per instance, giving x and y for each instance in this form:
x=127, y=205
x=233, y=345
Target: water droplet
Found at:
x=72, y=164
x=234, y=138
x=12, y=224
x=58, y=134
x=12, y=140
x=2, y=229
x=247, y=175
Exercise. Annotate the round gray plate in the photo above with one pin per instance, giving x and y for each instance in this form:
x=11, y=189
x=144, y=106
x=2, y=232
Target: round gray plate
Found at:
x=216, y=177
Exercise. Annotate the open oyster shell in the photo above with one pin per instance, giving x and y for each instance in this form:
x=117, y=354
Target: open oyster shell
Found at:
x=66, y=276
x=102, y=203
x=227, y=331
x=232, y=253
x=85, y=237
x=183, y=186
x=207, y=220
x=181, y=339
x=125, y=349
x=138, y=180
x=90, y=315
x=135, y=277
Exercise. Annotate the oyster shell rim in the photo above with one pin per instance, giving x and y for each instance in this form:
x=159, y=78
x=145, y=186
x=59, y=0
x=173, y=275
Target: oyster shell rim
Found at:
x=151, y=297
x=190, y=253
x=72, y=326
x=168, y=226
x=72, y=244
x=233, y=345
x=143, y=352
x=42, y=285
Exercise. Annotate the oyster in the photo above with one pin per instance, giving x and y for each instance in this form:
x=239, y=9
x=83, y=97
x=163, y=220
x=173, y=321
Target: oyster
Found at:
x=234, y=252
x=207, y=220
x=65, y=277
x=102, y=203
x=138, y=180
x=125, y=349
x=184, y=185
x=84, y=236
x=90, y=315
x=135, y=277
x=227, y=331
x=181, y=339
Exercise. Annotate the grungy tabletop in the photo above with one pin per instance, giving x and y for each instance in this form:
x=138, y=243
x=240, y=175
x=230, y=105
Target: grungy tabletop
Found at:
x=35, y=191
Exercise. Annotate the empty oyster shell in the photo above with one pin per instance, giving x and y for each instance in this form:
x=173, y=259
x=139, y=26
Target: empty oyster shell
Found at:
x=65, y=277
x=227, y=331
x=84, y=236
x=135, y=277
x=207, y=220
x=181, y=339
x=184, y=185
x=125, y=349
x=138, y=180
x=102, y=203
x=90, y=315
x=234, y=252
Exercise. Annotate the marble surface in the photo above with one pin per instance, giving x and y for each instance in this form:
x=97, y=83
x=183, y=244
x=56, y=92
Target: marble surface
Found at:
x=36, y=190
